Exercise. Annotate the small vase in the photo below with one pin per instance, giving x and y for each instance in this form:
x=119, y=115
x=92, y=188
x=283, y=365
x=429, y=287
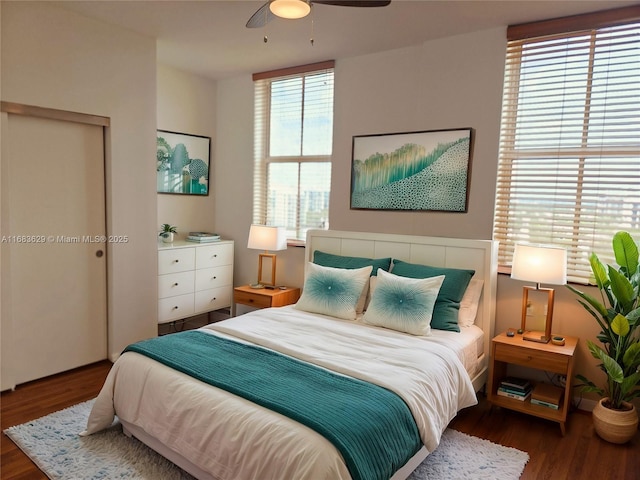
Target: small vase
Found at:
x=167, y=237
x=615, y=426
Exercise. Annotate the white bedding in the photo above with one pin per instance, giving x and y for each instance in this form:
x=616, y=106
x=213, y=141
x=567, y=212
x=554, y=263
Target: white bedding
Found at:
x=234, y=439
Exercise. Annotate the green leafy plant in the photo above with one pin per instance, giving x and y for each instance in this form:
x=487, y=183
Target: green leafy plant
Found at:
x=166, y=228
x=618, y=315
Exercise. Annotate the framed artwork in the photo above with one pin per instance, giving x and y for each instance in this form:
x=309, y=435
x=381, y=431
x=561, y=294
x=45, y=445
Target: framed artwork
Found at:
x=182, y=163
x=427, y=170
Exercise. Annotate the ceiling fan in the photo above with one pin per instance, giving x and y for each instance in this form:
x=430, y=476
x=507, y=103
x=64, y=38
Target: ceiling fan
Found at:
x=293, y=9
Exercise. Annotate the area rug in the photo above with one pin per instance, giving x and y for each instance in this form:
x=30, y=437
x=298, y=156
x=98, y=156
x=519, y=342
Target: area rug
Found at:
x=53, y=443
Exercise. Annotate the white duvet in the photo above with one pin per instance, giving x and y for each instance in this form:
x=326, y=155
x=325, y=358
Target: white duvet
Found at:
x=232, y=438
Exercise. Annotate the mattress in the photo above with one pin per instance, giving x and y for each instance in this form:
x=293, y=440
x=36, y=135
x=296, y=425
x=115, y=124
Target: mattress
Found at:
x=231, y=438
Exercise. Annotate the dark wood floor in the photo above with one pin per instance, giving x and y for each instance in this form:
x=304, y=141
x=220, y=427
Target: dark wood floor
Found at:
x=581, y=454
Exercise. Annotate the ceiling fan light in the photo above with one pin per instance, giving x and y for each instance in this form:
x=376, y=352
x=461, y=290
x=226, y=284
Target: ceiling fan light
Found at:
x=291, y=9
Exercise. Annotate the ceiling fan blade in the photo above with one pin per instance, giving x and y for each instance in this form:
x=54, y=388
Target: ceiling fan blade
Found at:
x=262, y=16
x=354, y=3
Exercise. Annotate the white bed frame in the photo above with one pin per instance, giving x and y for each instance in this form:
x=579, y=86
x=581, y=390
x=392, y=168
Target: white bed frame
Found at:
x=479, y=255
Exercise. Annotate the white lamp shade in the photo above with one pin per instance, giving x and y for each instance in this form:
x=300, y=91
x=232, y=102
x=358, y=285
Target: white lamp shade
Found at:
x=263, y=237
x=540, y=264
x=290, y=9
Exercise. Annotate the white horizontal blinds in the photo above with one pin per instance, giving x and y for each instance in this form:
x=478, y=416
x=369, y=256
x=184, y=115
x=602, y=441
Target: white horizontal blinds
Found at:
x=569, y=166
x=294, y=139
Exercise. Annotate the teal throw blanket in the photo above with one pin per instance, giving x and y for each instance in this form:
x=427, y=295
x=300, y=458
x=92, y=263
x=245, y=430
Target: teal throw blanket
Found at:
x=370, y=426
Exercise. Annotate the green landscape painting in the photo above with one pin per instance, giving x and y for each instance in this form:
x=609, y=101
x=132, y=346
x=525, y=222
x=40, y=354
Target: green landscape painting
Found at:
x=412, y=171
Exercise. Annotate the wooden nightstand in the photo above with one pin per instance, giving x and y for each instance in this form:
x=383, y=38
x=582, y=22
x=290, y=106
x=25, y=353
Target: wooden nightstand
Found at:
x=265, y=297
x=541, y=356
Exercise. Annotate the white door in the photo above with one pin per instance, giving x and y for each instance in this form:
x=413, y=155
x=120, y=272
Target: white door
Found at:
x=57, y=262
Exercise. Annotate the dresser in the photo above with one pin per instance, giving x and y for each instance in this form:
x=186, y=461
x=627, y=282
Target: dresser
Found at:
x=194, y=278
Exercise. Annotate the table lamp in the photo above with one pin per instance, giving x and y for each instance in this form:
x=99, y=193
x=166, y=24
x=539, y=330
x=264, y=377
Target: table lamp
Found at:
x=263, y=237
x=540, y=264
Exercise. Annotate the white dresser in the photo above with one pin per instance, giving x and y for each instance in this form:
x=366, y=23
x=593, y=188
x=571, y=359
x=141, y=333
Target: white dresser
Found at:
x=193, y=278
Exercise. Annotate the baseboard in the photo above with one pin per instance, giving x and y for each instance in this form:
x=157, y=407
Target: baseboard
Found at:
x=585, y=404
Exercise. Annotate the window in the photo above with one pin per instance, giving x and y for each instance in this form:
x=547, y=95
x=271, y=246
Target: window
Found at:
x=293, y=146
x=569, y=166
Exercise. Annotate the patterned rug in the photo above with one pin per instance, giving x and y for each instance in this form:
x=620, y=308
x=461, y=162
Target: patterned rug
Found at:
x=52, y=442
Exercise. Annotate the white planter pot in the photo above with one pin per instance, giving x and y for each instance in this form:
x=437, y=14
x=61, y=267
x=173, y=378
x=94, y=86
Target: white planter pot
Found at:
x=167, y=237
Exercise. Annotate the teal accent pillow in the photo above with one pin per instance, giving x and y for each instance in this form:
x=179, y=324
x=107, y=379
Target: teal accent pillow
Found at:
x=403, y=304
x=445, y=313
x=333, y=291
x=341, y=261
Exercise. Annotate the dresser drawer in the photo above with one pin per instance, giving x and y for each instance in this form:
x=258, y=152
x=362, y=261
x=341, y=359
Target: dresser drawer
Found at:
x=215, y=277
x=214, y=255
x=213, y=299
x=176, y=260
x=173, y=308
x=173, y=284
x=539, y=359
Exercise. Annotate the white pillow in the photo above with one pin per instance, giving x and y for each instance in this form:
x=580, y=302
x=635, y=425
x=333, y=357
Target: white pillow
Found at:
x=402, y=303
x=333, y=291
x=469, y=303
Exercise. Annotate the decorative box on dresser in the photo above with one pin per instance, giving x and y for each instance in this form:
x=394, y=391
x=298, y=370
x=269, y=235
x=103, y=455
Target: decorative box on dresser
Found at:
x=194, y=278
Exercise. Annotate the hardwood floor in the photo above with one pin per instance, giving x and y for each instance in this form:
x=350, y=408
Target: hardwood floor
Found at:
x=581, y=454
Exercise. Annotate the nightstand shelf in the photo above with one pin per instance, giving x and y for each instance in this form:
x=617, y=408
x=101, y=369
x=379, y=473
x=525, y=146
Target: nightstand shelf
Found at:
x=265, y=297
x=540, y=356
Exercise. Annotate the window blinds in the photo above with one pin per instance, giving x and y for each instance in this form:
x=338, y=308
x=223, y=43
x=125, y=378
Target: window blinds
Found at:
x=293, y=140
x=569, y=165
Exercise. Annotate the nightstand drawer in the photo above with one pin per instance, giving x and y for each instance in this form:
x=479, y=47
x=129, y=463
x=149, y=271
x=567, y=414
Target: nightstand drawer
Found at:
x=528, y=357
x=258, y=301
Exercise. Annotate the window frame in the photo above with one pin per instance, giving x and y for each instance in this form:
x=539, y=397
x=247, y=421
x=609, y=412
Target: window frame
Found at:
x=578, y=268
x=262, y=147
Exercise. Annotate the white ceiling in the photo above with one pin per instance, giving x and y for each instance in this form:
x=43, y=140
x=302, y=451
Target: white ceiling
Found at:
x=209, y=38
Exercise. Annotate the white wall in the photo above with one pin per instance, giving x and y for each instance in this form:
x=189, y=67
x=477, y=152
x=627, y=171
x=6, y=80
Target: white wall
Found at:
x=187, y=104
x=58, y=59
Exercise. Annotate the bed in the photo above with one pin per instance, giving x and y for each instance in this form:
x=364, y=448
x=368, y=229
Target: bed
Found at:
x=214, y=432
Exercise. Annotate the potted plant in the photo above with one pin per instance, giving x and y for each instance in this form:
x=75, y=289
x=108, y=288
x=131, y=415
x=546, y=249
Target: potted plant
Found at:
x=167, y=232
x=618, y=315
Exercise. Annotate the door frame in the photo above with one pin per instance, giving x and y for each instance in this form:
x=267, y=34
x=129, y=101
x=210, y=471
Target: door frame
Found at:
x=6, y=325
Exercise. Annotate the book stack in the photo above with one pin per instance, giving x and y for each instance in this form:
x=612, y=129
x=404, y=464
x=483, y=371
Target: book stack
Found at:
x=516, y=388
x=203, y=237
x=546, y=395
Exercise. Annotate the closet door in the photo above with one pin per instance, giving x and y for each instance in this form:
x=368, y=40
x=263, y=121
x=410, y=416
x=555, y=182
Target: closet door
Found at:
x=57, y=249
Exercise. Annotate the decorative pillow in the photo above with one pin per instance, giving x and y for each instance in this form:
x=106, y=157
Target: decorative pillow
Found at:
x=403, y=304
x=341, y=261
x=333, y=291
x=469, y=303
x=445, y=313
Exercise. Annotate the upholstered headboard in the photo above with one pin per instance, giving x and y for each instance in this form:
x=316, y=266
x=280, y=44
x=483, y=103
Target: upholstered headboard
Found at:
x=479, y=255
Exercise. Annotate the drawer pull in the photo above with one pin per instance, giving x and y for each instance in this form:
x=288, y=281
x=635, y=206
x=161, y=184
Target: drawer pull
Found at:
x=175, y=307
x=175, y=284
x=176, y=260
x=213, y=278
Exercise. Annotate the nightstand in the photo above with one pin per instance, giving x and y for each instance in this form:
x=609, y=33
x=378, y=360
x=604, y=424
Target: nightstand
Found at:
x=540, y=356
x=265, y=297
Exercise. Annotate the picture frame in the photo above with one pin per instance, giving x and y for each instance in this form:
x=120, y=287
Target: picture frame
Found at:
x=413, y=171
x=182, y=163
